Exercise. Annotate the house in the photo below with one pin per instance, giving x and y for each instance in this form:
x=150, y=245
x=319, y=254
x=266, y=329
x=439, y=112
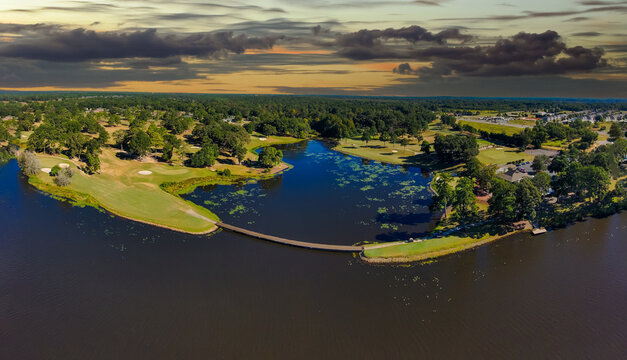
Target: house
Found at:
x=513, y=175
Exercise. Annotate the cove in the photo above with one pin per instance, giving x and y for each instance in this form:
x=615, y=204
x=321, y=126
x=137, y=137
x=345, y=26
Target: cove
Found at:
x=327, y=197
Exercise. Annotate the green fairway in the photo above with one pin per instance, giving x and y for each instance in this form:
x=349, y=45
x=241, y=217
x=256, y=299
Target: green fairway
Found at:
x=502, y=155
x=493, y=128
x=120, y=189
x=126, y=193
x=378, y=151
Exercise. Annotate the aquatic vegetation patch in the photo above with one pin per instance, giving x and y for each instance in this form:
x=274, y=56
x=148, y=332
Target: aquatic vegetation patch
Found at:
x=237, y=209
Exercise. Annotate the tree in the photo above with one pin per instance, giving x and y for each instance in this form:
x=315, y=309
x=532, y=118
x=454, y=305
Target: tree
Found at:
x=472, y=168
x=366, y=136
x=559, y=163
x=93, y=162
x=456, y=148
x=464, y=202
x=240, y=153
x=503, y=200
x=268, y=130
x=270, y=157
x=540, y=163
x=425, y=147
x=206, y=156
x=55, y=170
x=448, y=120
x=138, y=142
x=385, y=137
x=167, y=152
x=527, y=199
x=393, y=138
x=595, y=180
x=119, y=137
x=114, y=119
x=4, y=134
x=64, y=178
x=404, y=143
x=29, y=163
x=616, y=131
x=444, y=192
x=542, y=181
x=587, y=138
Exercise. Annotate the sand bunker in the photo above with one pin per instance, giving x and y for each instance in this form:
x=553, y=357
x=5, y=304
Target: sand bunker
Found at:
x=46, y=170
x=262, y=139
x=144, y=172
x=395, y=151
x=64, y=166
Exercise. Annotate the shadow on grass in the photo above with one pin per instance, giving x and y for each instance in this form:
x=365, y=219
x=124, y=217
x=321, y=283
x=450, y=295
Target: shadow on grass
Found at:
x=400, y=236
x=429, y=162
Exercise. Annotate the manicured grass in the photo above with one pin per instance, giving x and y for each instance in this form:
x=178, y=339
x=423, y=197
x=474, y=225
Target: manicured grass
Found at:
x=432, y=248
x=120, y=189
x=493, y=128
x=500, y=156
x=255, y=143
x=447, y=244
x=376, y=150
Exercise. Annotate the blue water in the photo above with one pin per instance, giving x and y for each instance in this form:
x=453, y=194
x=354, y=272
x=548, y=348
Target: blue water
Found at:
x=327, y=197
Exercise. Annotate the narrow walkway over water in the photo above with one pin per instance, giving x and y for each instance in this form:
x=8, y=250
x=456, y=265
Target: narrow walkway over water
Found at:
x=308, y=245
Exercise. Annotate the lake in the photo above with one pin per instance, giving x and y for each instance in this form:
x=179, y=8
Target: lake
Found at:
x=76, y=283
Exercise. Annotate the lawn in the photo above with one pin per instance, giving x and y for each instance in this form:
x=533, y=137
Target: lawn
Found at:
x=502, y=155
x=120, y=189
x=432, y=248
x=493, y=128
x=378, y=151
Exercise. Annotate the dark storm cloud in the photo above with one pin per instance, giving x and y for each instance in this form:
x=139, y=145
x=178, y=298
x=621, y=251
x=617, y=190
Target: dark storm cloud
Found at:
x=23, y=28
x=522, y=54
x=34, y=73
x=404, y=69
x=413, y=34
x=82, y=45
x=370, y=44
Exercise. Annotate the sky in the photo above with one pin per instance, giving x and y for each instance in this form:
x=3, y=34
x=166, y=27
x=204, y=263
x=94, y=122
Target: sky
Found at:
x=533, y=48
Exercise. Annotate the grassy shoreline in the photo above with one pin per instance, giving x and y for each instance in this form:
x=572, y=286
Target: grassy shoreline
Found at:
x=152, y=199
x=403, y=253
